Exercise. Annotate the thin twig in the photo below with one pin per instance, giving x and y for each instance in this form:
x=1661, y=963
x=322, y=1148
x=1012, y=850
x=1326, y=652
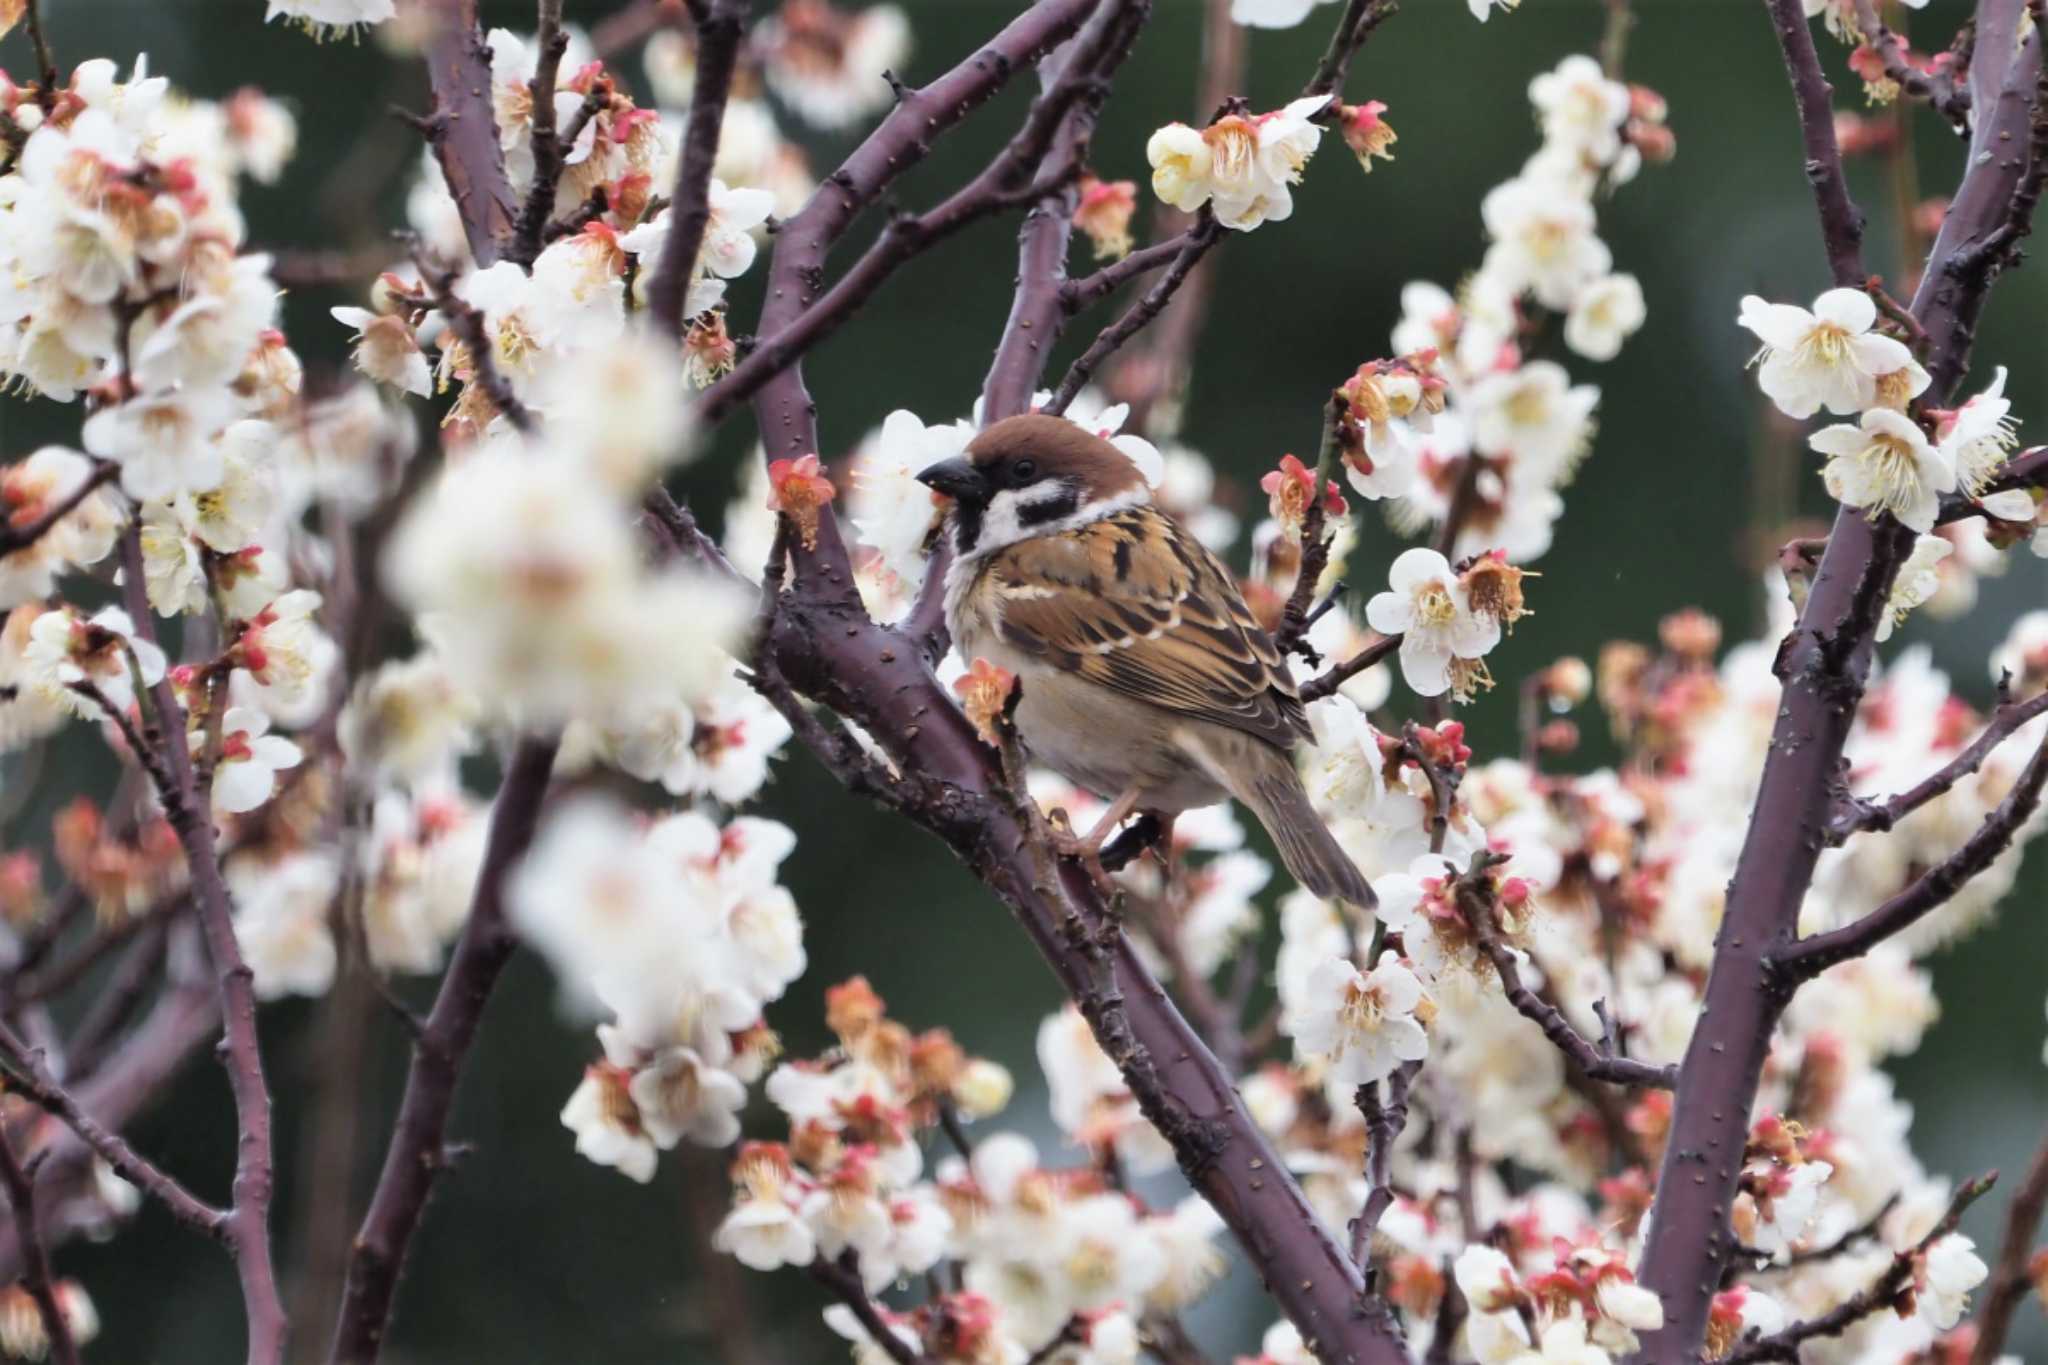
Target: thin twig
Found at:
x=1809, y=957
x=549, y=150
x=19, y=536
x=1601, y=1061
x=1860, y=815
x=187, y=811
x=719, y=31
x=30, y=1074
x=35, y=1257
x=1326, y=683
x=1195, y=244
x=2010, y=1282
x=842, y=1277
x=1882, y=1294
x=419, y=1147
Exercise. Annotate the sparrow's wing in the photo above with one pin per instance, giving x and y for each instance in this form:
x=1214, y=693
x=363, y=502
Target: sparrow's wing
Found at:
x=1134, y=603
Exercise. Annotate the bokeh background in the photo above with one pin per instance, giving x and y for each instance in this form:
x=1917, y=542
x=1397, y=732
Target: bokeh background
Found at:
x=530, y=1254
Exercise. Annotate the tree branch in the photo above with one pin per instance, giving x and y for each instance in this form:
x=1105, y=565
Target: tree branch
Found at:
x=1937, y=90
x=188, y=812
x=1195, y=244
x=1841, y=222
x=464, y=131
x=1860, y=815
x=20, y=536
x=1823, y=666
x=1882, y=1294
x=549, y=147
x=2010, y=1282
x=718, y=46
x=31, y=1075
x=1932, y=889
x=1325, y=684
x=771, y=375
x=35, y=1258
x=842, y=1278
x=418, y=1152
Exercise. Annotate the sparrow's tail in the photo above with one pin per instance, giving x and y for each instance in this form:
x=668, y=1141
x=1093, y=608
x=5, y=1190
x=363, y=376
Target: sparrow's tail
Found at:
x=1264, y=779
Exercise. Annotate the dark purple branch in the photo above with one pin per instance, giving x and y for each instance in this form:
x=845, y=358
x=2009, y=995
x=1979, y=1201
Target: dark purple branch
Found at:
x=35, y=1257
x=1823, y=666
x=464, y=130
x=2028, y=469
x=2009, y=1283
x=1938, y=90
x=1841, y=222
x=719, y=32
x=1359, y=19
x=842, y=1278
x=1384, y=1120
x=1195, y=244
x=1932, y=889
x=1093, y=288
x=31, y=1076
x=1601, y=1061
x=1882, y=1294
x=549, y=148
x=188, y=811
x=1882, y=815
x=419, y=1141
x=1326, y=684
x=470, y=324
x=15, y=537
x=796, y=271
x=46, y=59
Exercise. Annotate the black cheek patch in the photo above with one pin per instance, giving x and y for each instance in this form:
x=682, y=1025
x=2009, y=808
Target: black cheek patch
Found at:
x=1051, y=510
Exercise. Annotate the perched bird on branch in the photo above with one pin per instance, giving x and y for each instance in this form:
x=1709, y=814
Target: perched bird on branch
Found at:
x=1145, y=677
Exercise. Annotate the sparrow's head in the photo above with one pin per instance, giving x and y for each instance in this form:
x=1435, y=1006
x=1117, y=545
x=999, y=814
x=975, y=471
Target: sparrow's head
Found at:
x=1031, y=476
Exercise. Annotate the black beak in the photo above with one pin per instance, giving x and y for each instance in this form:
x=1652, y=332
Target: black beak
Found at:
x=956, y=478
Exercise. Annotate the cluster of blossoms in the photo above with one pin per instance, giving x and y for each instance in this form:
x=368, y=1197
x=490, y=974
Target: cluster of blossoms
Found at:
x=1241, y=167
x=677, y=931
x=1607, y=887
x=1467, y=422
x=1042, y=1259
x=1900, y=456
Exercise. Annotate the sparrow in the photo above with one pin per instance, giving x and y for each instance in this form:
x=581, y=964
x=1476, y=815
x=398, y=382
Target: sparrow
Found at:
x=1145, y=677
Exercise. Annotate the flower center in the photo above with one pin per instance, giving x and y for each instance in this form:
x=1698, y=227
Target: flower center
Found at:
x=1434, y=608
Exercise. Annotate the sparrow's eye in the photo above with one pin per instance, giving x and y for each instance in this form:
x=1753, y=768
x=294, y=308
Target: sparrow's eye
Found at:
x=1024, y=471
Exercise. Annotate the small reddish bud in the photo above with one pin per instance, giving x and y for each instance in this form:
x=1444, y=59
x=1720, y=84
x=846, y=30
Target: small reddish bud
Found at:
x=1291, y=488
x=985, y=691
x=1366, y=133
x=799, y=490
x=1104, y=215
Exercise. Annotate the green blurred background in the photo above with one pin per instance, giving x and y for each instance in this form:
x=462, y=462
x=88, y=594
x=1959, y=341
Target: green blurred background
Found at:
x=530, y=1253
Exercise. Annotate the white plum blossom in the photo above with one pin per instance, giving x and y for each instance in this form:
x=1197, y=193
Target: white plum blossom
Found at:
x=1271, y=13
x=1949, y=1270
x=281, y=921
x=1919, y=578
x=1603, y=315
x=250, y=759
x=1431, y=610
x=386, y=350
x=1885, y=463
x=1242, y=166
x=1362, y=1025
x=1827, y=358
x=324, y=16
x=67, y=652
x=1976, y=439
x=1579, y=107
